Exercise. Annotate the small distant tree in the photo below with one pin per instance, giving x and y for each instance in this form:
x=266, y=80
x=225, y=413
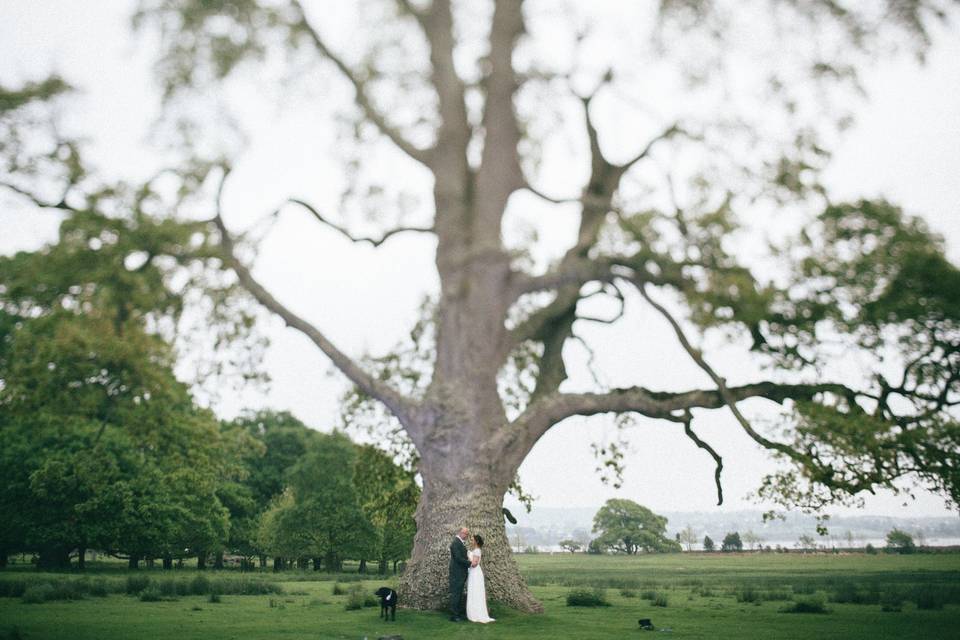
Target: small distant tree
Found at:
x=628, y=527
x=899, y=541
x=805, y=542
x=848, y=536
x=595, y=547
x=688, y=537
x=732, y=542
x=752, y=539
x=571, y=545
x=708, y=544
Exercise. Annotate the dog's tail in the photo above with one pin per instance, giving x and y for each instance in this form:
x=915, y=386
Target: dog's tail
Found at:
x=509, y=516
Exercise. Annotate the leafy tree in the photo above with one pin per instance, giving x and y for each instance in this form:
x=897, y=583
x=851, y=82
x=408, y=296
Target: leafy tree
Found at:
x=708, y=544
x=688, y=537
x=628, y=527
x=806, y=541
x=102, y=446
x=320, y=515
x=571, y=545
x=900, y=542
x=388, y=496
x=866, y=274
x=732, y=542
x=751, y=539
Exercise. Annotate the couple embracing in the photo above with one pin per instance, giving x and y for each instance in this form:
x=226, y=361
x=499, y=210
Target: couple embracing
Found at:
x=465, y=569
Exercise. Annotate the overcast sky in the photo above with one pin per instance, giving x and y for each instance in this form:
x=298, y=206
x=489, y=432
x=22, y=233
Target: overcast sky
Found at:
x=905, y=146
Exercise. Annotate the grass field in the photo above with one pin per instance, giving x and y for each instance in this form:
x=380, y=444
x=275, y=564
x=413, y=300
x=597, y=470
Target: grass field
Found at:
x=706, y=596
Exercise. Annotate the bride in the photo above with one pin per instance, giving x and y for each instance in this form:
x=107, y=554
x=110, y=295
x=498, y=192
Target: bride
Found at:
x=476, y=589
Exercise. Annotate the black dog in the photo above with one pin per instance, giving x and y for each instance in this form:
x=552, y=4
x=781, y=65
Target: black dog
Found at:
x=388, y=602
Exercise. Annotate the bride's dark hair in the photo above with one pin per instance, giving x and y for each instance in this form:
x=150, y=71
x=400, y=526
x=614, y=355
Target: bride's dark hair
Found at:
x=479, y=540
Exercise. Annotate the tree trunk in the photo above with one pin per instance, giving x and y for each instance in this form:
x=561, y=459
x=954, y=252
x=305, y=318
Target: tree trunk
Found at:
x=277, y=563
x=263, y=560
x=53, y=558
x=363, y=567
x=382, y=567
x=3, y=557
x=317, y=562
x=201, y=560
x=81, y=558
x=133, y=562
x=444, y=507
x=149, y=561
x=167, y=561
x=218, y=560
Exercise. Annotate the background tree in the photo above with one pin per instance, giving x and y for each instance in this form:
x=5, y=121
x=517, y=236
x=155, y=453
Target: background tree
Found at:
x=628, y=527
x=805, y=542
x=708, y=544
x=900, y=542
x=732, y=542
x=388, y=496
x=570, y=545
x=474, y=128
x=688, y=537
x=751, y=539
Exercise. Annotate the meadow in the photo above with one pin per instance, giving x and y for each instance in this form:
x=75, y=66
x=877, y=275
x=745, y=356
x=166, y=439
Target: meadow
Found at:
x=794, y=596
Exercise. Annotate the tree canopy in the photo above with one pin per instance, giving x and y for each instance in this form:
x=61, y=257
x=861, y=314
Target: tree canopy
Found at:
x=627, y=527
x=472, y=95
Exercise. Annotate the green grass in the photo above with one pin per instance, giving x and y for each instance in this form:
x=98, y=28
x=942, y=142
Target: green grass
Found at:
x=703, y=594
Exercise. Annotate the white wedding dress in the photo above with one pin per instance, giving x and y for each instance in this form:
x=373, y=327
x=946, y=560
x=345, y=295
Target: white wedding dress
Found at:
x=476, y=592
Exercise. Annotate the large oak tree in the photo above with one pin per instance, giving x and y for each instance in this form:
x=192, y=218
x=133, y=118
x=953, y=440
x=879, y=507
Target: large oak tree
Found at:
x=459, y=89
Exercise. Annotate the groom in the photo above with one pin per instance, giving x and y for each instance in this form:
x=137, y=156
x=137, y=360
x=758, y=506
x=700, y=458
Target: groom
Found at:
x=458, y=574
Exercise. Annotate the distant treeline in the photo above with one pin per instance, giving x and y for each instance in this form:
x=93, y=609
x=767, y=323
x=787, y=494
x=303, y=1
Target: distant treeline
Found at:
x=103, y=448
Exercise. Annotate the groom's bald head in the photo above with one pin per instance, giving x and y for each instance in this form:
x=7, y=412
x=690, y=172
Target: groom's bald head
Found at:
x=463, y=533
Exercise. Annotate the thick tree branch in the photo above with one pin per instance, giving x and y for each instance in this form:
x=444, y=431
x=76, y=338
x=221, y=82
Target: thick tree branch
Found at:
x=686, y=420
x=37, y=200
x=548, y=411
x=728, y=399
x=499, y=174
x=400, y=406
x=362, y=96
x=375, y=242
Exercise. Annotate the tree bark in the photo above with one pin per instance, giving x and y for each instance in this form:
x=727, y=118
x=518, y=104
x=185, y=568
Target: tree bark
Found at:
x=444, y=507
x=218, y=560
x=363, y=567
x=317, y=564
x=167, y=561
x=277, y=563
x=133, y=562
x=53, y=558
x=81, y=558
x=201, y=560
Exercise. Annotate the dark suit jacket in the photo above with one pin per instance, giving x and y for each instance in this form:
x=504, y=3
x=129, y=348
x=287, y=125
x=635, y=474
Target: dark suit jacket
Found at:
x=458, y=561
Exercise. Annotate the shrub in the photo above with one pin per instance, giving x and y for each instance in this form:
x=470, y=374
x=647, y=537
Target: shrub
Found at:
x=747, y=594
x=151, y=594
x=870, y=549
x=891, y=601
x=806, y=605
x=168, y=587
x=928, y=597
x=339, y=589
x=848, y=593
x=587, y=598
x=200, y=585
x=648, y=594
x=99, y=588
x=37, y=593
x=357, y=598
x=214, y=598
x=628, y=593
x=660, y=600
x=136, y=584
x=12, y=588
